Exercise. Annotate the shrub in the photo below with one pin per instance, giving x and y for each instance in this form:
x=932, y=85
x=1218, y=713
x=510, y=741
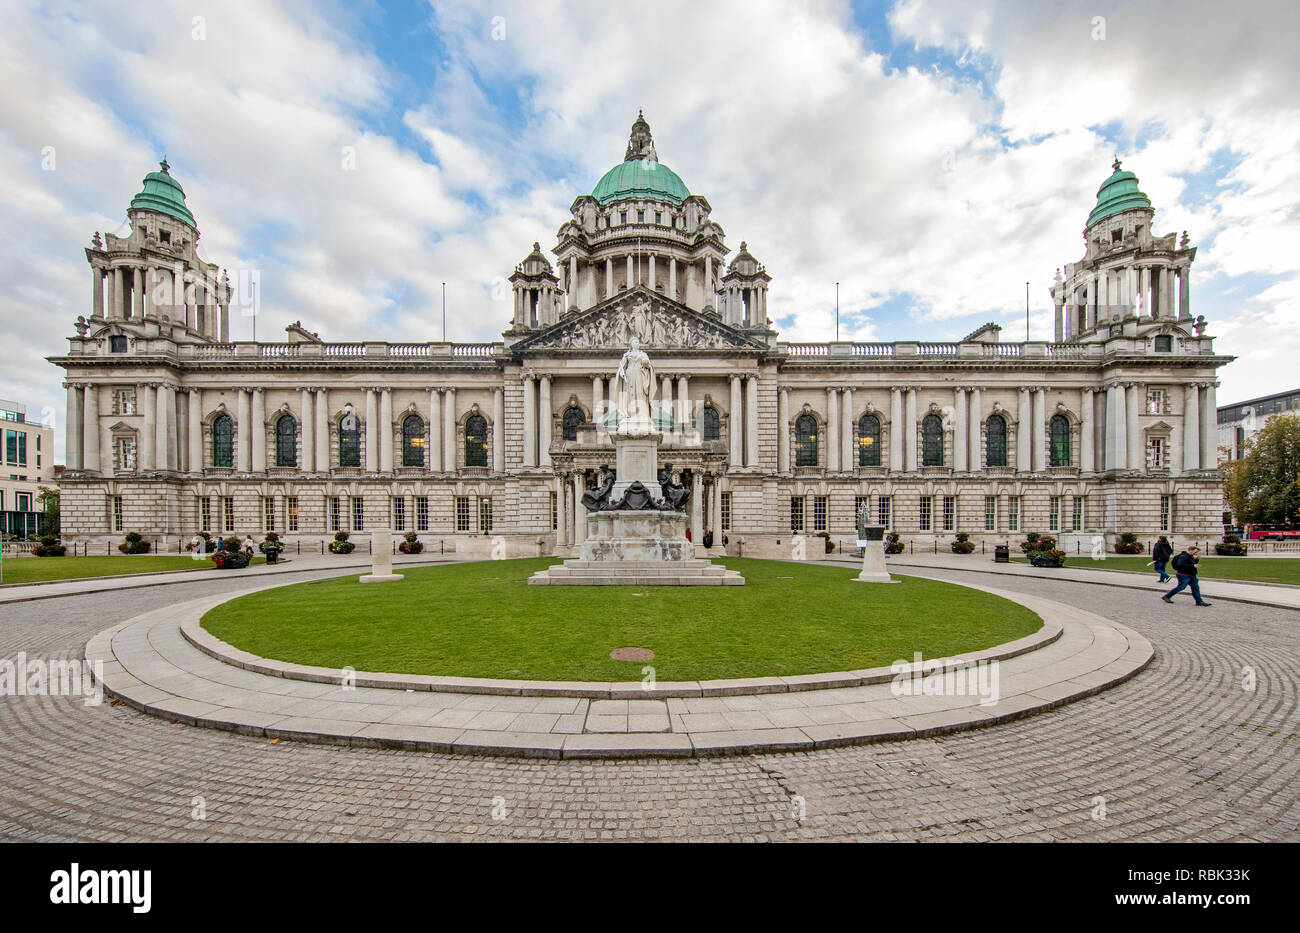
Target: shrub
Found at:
x=963, y=544
x=49, y=547
x=341, y=544
x=1230, y=546
x=892, y=544
x=230, y=544
x=410, y=543
x=202, y=542
x=1042, y=551
x=271, y=543
x=1128, y=543
x=230, y=560
x=133, y=543
x=1030, y=544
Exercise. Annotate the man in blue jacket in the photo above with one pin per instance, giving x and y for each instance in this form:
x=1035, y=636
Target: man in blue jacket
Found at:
x=1185, y=566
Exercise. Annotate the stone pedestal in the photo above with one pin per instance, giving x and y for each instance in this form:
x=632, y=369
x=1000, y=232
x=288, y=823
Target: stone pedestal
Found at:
x=381, y=558
x=873, y=558
x=636, y=457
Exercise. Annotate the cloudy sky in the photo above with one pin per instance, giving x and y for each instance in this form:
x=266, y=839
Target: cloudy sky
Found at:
x=932, y=156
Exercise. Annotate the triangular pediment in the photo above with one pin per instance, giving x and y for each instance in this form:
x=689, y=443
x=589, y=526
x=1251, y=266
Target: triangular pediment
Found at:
x=658, y=322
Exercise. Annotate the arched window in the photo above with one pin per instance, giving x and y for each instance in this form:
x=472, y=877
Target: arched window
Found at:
x=476, y=447
x=868, y=441
x=1060, y=441
x=573, y=417
x=286, y=441
x=805, y=440
x=711, y=424
x=349, y=441
x=995, y=441
x=223, y=441
x=931, y=441
x=413, y=441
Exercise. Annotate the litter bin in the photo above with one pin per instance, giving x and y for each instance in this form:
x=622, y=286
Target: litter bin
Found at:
x=273, y=555
x=1002, y=554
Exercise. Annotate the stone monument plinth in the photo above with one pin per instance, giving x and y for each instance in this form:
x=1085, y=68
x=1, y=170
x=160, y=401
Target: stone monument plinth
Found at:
x=873, y=556
x=381, y=557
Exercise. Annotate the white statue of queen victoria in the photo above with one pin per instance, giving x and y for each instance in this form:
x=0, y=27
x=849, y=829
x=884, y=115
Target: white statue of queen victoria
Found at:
x=633, y=387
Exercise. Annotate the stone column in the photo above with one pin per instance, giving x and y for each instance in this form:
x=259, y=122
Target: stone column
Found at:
x=672, y=277
x=847, y=461
x=1133, y=441
x=90, y=431
x=697, y=508
x=975, y=414
x=896, y=432
x=1059, y=307
x=371, y=460
x=579, y=511
x=1040, y=430
x=909, y=432
x=960, y=432
x=72, y=426
x=194, y=424
x=386, y=431
x=449, y=458
x=306, y=462
x=1086, y=458
x=666, y=394
x=684, y=406
x=1024, y=433
x=96, y=292
x=435, y=431
x=1090, y=309
x=609, y=277
x=115, y=295
x=258, y=427
x=1209, y=428
x=630, y=281
x=716, y=521
x=783, y=430
x=751, y=421
x=561, y=511
x=1184, y=293
x=1191, y=427
x=735, y=426
x=1166, y=293
x=498, y=430
x=708, y=280
x=1116, y=428
x=651, y=274
x=530, y=421
x=831, y=440
x=166, y=457
x=573, y=280
x=322, y=430
x=597, y=397
x=146, y=440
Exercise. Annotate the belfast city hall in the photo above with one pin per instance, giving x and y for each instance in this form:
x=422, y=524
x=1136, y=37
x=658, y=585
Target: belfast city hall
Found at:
x=173, y=427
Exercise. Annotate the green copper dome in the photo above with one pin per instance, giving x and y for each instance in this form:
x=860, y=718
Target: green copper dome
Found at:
x=163, y=193
x=640, y=178
x=1118, y=193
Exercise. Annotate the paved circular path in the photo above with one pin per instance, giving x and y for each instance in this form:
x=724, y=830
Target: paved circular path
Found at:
x=1179, y=752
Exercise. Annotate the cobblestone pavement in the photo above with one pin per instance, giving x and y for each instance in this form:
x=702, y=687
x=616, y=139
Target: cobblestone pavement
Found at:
x=1181, y=752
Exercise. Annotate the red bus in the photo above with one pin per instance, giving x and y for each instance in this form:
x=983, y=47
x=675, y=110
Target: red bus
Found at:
x=1285, y=531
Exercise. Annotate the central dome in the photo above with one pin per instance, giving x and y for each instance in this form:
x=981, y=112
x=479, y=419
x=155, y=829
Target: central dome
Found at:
x=640, y=178
x=163, y=193
x=1117, y=193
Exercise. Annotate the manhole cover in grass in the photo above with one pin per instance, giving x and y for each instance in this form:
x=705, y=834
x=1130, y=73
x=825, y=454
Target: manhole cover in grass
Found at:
x=631, y=654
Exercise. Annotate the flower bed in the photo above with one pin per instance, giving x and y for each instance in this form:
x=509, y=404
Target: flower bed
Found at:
x=341, y=544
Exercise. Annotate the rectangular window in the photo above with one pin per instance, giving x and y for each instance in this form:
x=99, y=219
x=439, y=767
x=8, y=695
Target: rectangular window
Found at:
x=1054, y=514
x=358, y=513
x=228, y=512
x=421, y=513
x=124, y=402
x=1156, y=402
x=268, y=513
x=124, y=453
x=949, y=513
x=115, y=503
x=819, y=513
x=205, y=514
x=926, y=521
x=1157, y=453
x=726, y=511
x=990, y=513
x=335, y=513
x=462, y=513
x=485, y=514
x=290, y=513
x=555, y=514
x=1076, y=514
x=1013, y=513
x=397, y=512
x=796, y=514
x=885, y=512
x=1166, y=513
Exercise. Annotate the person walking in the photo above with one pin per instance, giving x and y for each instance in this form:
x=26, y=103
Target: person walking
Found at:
x=1185, y=566
x=1160, y=555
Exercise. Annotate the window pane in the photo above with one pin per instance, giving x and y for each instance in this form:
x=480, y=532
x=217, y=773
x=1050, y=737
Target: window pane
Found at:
x=805, y=440
x=223, y=441
x=932, y=441
x=286, y=441
x=413, y=441
x=996, y=441
x=476, y=441
x=1060, y=442
x=869, y=441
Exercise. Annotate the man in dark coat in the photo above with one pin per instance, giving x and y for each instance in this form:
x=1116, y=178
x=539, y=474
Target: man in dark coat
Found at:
x=1160, y=555
x=1185, y=567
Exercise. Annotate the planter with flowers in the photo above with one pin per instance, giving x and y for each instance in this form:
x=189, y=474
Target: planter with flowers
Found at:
x=1128, y=543
x=49, y=547
x=893, y=545
x=1042, y=550
x=963, y=544
x=411, y=543
x=229, y=556
x=133, y=543
x=1230, y=546
x=341, y=544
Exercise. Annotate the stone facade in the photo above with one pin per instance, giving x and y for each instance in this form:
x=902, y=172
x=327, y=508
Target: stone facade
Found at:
x=488, y=447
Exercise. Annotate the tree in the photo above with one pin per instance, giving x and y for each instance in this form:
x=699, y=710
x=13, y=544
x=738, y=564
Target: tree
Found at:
x=49, y=500
x=1264, y=485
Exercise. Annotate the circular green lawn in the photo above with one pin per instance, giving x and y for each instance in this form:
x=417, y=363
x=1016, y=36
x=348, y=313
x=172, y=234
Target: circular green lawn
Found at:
x=482, y=620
